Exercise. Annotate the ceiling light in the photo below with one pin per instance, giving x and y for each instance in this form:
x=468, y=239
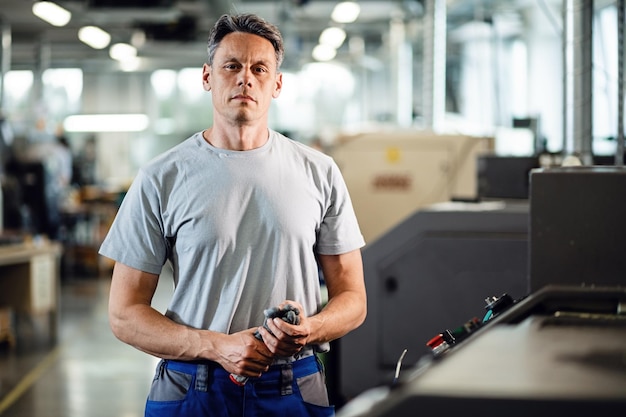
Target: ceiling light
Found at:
x=94, y=37
x=333, y=37
x=51, y=13
x=106, y=123
x=346, y=12
x=130, y=64
x=122, y=51
x=324, y=52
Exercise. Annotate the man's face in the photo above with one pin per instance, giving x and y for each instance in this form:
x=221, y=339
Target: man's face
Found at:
x=243, y=78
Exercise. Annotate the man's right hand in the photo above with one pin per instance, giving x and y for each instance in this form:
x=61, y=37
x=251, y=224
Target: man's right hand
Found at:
x=243, y=354
x=134, y=321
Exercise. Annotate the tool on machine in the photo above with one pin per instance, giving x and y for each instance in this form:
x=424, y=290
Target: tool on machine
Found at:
x=288, y=313
x=444, y=340
x=396, y=376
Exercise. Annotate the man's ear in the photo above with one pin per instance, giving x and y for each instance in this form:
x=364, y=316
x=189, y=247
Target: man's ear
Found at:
x=279, y=85
x=206, y=77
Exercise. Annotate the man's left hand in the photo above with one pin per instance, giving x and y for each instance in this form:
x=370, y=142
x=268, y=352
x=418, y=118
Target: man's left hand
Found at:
x=286, y=339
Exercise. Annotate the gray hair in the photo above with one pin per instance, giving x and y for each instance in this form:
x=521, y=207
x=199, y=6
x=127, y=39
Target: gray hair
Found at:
x=247, y=23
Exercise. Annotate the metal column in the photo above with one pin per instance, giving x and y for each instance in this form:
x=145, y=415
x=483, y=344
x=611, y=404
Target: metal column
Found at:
x=434, y=78
x=402, y=72
x=5, y=57
x=619, y=154
x=577, y=83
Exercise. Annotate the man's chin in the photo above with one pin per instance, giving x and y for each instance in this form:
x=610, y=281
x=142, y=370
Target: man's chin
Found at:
x=242, y=117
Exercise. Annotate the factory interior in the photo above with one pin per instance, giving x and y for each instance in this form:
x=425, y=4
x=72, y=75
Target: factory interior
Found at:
x=481, y=141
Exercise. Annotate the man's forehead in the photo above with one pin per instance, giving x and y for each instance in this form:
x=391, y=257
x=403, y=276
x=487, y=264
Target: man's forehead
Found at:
x=240, y=42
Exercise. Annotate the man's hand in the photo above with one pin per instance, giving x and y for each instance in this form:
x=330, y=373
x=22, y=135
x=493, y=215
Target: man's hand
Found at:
x=243, y=354
x=284, y=339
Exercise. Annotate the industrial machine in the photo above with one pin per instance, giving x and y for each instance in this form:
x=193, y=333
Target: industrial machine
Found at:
x=391, y=174
x=430, y=272
x=505, y=177
x=560, y=351
x=578, y=226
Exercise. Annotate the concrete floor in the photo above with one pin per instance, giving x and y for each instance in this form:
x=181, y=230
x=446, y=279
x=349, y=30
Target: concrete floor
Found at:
x=87, y=372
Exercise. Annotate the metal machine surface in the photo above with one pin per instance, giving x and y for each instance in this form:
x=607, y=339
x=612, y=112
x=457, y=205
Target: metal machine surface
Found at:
x=578, y=226
x=505, y=177
x=430, y=272
x=559, y=351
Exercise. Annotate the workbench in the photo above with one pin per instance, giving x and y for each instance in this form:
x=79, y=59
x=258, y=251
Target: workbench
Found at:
x=30, y=285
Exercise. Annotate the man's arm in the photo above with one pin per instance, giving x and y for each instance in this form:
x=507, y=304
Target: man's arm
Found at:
x=345, y=311
x=135, y=322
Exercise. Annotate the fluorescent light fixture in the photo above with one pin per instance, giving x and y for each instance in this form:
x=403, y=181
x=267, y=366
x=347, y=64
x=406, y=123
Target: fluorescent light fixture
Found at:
x=51, y=13
x=333, y=37
x=94, y=37
x=106, y=123
x=130, y=64
x=346, y=12
x=324, y=52
x=122, y=52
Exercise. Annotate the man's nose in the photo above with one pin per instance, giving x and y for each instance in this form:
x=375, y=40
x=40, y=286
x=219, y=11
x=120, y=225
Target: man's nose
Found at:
x=245, y=78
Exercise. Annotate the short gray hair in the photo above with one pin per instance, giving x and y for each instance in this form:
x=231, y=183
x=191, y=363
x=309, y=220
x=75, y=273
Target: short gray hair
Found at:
x=247, y=23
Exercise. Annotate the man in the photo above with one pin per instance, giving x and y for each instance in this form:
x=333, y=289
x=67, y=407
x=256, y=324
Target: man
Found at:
x=244, y=216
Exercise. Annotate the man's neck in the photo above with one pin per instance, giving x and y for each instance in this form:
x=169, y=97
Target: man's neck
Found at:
x=240, y=138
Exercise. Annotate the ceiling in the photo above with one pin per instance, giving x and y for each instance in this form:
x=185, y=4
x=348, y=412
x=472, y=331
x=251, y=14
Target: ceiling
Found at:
x=175, y=31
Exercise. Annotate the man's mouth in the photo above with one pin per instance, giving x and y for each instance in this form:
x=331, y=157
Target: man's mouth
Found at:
x=243, y=97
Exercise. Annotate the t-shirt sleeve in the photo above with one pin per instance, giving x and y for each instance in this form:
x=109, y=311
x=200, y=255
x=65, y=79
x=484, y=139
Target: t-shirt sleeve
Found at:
x=136, y=236
x=339, y=232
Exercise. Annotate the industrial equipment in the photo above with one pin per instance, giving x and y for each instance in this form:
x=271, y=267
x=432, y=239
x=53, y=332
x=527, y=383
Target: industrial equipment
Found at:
x=559, y=351
x=430, y=272
x=391, y=174
x=505, y=177
x=577, y=226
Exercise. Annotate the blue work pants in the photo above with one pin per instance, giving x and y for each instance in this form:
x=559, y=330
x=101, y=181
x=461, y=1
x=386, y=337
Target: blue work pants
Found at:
x=204, y=389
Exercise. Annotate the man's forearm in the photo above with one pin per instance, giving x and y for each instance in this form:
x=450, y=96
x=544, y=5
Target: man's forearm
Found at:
x=148, y=330
x=151, y=332
x=343, y=313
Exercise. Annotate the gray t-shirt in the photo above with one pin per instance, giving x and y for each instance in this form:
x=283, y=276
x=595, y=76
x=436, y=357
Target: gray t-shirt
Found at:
x=241, y=229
